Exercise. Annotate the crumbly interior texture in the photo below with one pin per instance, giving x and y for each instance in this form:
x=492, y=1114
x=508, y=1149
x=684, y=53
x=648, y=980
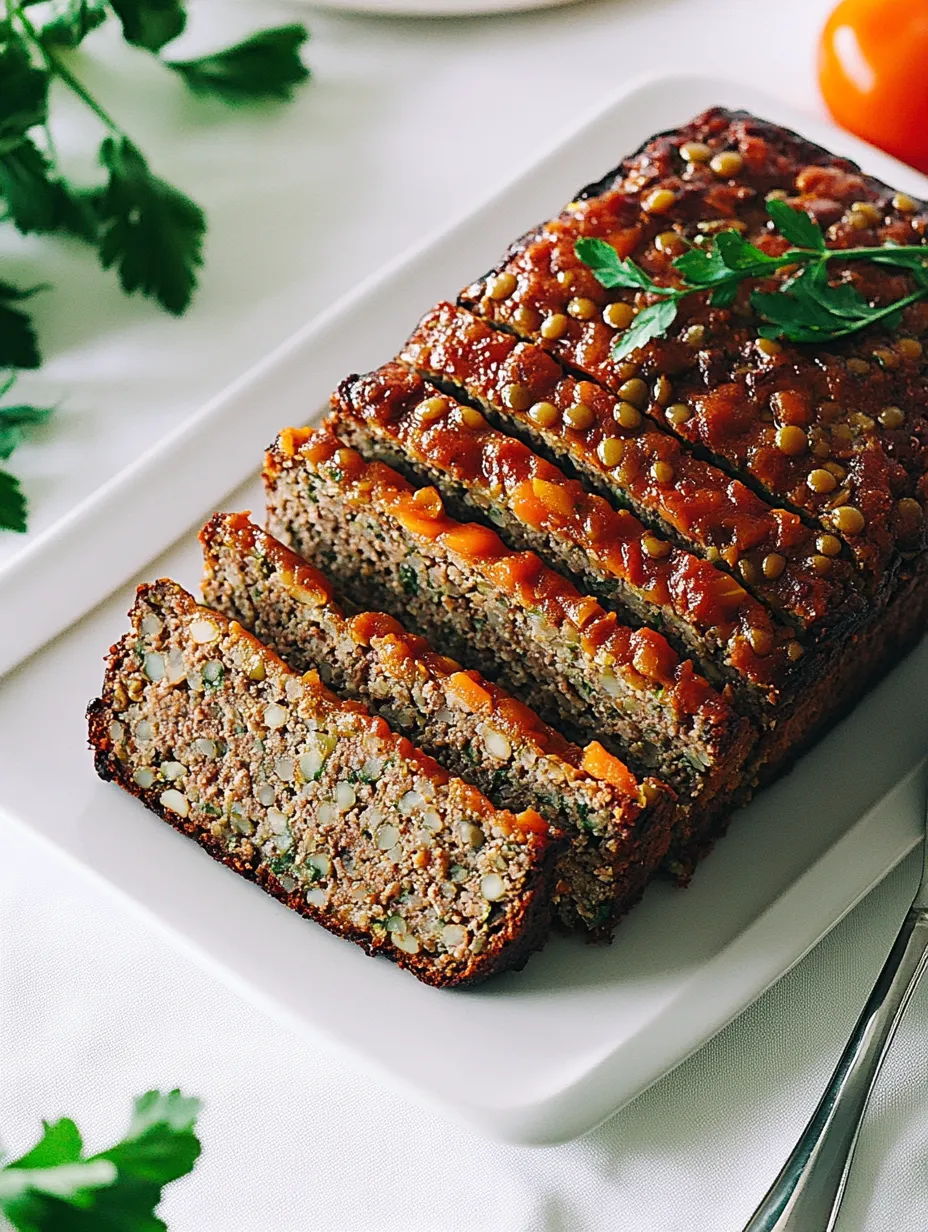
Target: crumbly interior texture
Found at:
x=315, y=799
x=616, y=841
x=704, y=646
x=380, y=565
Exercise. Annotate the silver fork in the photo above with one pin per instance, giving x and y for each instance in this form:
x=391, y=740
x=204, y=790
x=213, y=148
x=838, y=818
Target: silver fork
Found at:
x=807, y=1194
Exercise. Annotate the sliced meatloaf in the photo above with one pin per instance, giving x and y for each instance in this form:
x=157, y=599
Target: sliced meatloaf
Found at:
x=316, y=799
x=395, y=415
x=837, y=433
x=615, y=449
x=502, y=612
x=619, y=828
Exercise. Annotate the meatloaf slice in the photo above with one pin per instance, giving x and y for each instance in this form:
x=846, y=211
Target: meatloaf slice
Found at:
x=394, y=415
x=619, y=828
x=315, y=799
x=614, y=449
x=836, y=432
x=503, y=612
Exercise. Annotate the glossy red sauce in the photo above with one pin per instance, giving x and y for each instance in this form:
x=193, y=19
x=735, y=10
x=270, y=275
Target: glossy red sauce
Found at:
x=734, y=390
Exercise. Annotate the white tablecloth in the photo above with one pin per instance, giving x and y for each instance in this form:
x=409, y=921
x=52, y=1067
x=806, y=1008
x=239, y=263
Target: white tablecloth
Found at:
x=406, y=125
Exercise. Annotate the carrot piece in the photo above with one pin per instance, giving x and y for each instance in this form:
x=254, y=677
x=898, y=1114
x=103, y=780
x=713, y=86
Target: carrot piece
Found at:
x=465, y=688
x=602, y=765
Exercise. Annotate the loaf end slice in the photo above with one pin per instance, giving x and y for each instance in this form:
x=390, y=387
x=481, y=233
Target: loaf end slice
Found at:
x=315, y=799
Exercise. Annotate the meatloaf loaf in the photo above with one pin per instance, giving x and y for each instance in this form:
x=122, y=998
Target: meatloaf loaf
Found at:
x=316, y=799
x=619, y=828
x=503, y=612
x=836, y=433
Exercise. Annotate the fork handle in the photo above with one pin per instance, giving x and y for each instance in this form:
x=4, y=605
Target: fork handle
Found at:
x=806, y=1195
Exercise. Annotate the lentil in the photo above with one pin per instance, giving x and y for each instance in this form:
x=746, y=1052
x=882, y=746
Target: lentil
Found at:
x=502, y=286
x=618, y=315
x=659, y=201
x=848, y=519
x=821, y=481
x=727, y=164
x=545, y=414
x=554, y=326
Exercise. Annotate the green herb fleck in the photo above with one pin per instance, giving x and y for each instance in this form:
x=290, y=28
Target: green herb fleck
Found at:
x=409, y=579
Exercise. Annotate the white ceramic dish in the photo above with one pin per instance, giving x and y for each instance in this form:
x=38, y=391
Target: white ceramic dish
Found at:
x=438, y=8
x=546, y=1054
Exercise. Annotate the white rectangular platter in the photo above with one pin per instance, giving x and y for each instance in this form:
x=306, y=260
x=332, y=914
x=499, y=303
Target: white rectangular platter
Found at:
x=535, y=1057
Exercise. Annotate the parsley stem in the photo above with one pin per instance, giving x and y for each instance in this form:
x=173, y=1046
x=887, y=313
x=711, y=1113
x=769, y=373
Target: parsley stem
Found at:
x=60, y=70
x=878, y=314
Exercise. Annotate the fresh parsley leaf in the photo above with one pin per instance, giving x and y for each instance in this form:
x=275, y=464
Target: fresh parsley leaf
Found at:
x=728, y=258
x=841, y=300
x=152, y=233
x=651, y=322
x=19, y=347
x=75, y=1182
x=724, y=296
x=150, y=23
x=12, y=421
x=610, y=271
x=796, y=226
x=703, y=267
x=742, y=257
x=72, y=22
x=54, y=1188
x=12, y=517
x=60, y=1144
x=23, y=89
x=37, y=201
x=178, y=1112
x=266, y=65
x=806, y=307
x=26, y=188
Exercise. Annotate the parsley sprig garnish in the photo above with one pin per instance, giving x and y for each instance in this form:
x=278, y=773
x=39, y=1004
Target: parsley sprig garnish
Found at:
x=149, y=232
x=56, y=1187
x=806, y=307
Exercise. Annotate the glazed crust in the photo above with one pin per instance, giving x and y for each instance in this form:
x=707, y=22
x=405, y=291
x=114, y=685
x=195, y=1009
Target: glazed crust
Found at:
x=734, y=394
x=769, y=550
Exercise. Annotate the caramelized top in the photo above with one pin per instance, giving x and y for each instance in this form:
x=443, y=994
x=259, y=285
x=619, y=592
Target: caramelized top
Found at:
x=397, y=404
x=643, y=657
x=854, y=410
x=401, y=652
x=315, y=701
x=771, y=550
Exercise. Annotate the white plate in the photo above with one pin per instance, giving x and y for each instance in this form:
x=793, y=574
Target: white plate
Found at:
x=546, y=1054
x=438, y=8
